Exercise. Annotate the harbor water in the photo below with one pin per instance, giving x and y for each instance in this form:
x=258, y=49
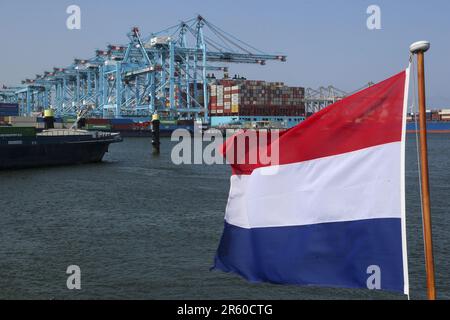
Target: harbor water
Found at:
x=141, y=227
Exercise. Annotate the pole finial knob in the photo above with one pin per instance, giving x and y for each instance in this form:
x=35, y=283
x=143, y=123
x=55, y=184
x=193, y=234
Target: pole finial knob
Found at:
x=419, y=46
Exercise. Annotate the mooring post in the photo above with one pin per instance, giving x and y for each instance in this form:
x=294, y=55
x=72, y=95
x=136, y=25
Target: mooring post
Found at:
x=49, y=119
x=155, y=134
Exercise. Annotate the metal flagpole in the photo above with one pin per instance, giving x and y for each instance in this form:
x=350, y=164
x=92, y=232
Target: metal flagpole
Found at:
x=419, y=48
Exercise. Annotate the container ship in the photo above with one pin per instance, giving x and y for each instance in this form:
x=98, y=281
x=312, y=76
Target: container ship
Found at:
x=242, y=101
x=24, y=146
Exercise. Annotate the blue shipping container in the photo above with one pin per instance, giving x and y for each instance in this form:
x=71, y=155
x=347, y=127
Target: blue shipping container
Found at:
x=121, y=121
x=9, y=109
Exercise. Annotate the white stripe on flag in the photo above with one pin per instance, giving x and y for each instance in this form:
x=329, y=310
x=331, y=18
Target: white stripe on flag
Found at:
x=359, y=185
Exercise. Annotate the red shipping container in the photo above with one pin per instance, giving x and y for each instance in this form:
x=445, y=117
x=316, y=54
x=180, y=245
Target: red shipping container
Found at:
x=128, y=126
x=97, y=121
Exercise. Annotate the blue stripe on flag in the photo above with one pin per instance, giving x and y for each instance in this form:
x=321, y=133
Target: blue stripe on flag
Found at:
x=331, y=254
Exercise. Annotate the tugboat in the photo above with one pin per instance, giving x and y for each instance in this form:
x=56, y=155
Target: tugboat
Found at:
x=24, y=147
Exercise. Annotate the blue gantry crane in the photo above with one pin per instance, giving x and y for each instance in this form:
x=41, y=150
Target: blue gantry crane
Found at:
x=8, y=94
x=166, y=72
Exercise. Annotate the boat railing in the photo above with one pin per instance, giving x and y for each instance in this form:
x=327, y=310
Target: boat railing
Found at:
x=64, y=132
x=71, y=132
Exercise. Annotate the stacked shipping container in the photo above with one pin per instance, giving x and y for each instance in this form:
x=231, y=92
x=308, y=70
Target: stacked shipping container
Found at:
x=445, y=115
x=220, y=101
x=9, y=109
x=255, y=98
x=213, y=100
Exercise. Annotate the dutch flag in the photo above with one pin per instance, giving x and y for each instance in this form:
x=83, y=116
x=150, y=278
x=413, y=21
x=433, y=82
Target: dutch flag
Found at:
x=333, y=212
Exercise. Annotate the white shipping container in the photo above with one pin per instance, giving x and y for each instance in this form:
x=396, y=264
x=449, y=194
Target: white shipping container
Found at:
x=24, y=124
x=22, y=120
x=213, y=90
x=160, y=40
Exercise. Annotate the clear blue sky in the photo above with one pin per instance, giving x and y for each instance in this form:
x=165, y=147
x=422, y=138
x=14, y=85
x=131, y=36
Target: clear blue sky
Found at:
x=327, y=42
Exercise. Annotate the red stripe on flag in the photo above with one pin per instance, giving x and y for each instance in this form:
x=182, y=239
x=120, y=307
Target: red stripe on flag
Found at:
x=371, y=117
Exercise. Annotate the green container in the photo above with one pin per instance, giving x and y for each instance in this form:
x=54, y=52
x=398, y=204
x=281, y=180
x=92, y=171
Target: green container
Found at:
x=69, y=120
x=17, y=132
x=168, y=122
x=98, y=127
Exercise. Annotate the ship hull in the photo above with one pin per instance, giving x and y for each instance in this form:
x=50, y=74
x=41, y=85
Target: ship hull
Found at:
x=166, y=133
x=39, y=155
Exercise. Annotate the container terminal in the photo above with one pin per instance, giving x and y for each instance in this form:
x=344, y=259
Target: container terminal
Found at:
x=181, y=73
